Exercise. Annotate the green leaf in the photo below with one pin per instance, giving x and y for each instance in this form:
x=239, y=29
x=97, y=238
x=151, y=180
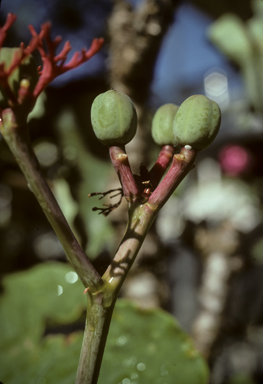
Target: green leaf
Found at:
x=47, y=294
x=144, y=346
x=238, y=47
x=148, y=346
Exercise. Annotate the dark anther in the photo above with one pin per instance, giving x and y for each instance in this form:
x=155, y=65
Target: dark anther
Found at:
x=108, y=207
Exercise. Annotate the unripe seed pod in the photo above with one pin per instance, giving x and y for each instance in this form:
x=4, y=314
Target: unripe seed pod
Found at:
x=197, y=122
x=162, y=124
x=113, y=118
x=27, y=70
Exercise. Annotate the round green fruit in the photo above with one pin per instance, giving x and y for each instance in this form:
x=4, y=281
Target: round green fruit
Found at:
x=162, y=124
x=197, y=122
x=113, y=118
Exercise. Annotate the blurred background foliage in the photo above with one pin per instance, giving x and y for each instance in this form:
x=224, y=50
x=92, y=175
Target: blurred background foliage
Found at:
x=210, y=268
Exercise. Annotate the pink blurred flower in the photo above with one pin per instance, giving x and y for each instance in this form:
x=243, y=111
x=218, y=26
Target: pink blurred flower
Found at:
x=235, y=160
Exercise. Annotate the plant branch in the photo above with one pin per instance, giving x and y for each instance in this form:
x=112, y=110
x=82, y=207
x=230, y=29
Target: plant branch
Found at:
x=17, y=138
x=182, y=163
x=140, y=220
x=141, y=217
x=159, y=168
x=120, y=161
x=11, y=18
x=95, y=336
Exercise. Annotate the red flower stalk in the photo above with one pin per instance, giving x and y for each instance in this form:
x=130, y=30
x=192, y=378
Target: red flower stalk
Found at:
x=53, y=65
x=11, y=18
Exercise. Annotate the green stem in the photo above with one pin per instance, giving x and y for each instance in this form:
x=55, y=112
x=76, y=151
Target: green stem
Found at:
x=95, y=337
x=17, y=138
x=101, y=304
x=140, y=220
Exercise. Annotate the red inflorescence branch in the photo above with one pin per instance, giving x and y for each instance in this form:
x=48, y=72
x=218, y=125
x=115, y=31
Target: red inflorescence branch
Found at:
x=162, y=163
x=11, y=18
x=53, y=65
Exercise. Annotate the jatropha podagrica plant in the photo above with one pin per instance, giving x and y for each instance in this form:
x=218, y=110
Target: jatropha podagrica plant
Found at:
x=190, y=127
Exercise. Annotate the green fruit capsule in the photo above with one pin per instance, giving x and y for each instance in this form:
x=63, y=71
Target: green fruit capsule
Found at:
x=162, y=124
x=26, y=71
x=197, y=122
x=113, y=118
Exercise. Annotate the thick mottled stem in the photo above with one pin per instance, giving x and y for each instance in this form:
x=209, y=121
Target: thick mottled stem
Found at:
x=140, y=220
x=120, y=161
x=95, y=335
x=18, y=141
x=101, y=305
x=181, y=165
x=163, y=161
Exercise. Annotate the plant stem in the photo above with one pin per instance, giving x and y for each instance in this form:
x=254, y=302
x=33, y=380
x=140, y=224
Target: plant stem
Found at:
x=17, y=138
x=101, y=304
x=182, y=163
x=140, y=220
x=159, y=168
x=95, y=336
x=141, y=217
x=121, y=164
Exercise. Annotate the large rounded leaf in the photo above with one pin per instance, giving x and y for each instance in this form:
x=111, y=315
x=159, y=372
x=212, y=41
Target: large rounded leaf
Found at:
x=40, y=342
x=148, y=346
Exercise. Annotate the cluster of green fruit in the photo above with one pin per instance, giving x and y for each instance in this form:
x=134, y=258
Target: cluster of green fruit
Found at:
x=195, y=123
